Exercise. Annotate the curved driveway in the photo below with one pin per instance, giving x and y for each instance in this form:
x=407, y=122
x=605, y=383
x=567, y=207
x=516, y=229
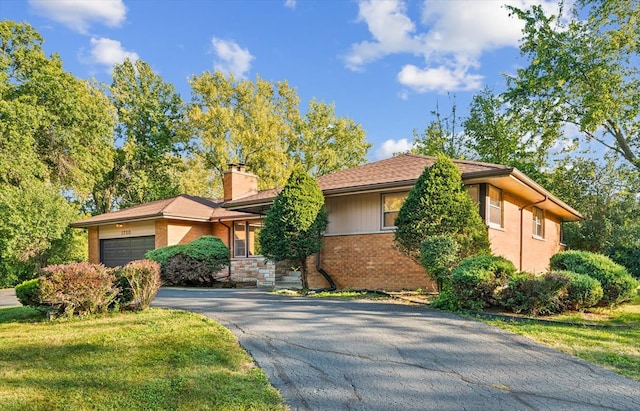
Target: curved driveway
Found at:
x=361, y=355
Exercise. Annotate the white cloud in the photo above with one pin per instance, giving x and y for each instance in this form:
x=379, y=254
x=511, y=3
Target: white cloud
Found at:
x=231, y=58
x=391, y=146
x=438, y=79
x=391, y=29
x=290, y=4
x=451, y=38
x=108, y=52
x=79, y=14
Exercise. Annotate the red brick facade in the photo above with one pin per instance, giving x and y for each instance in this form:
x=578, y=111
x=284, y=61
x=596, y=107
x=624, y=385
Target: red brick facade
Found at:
x=367, y=261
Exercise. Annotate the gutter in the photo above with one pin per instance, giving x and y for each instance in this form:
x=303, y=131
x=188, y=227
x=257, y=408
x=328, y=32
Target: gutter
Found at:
x=521, y=209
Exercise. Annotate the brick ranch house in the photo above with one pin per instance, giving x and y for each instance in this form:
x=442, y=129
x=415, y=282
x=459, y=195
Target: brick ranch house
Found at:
x=524, y=223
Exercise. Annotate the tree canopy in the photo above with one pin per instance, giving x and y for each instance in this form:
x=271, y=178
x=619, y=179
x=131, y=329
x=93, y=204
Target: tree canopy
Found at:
x=56, y=139
x=150, y=136
x=583, y=73
x=258, y=123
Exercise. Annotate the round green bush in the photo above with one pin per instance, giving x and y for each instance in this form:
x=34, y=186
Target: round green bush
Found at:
x=195, y=263
x=474, y=281
x=536, y=294
x=617, y=284
x=28, y=292
x=582, y=292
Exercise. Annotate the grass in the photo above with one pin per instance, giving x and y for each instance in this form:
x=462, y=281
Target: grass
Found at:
x=616, y=348
x=152, y=360
x=343, y=295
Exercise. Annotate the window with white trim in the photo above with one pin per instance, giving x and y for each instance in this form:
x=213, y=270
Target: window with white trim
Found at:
x=538, y=222
x=391, y=204
x=245, y=238
x=495, y=207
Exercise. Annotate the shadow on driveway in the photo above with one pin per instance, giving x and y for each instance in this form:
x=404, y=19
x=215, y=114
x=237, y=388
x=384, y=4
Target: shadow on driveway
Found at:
x=327, y=354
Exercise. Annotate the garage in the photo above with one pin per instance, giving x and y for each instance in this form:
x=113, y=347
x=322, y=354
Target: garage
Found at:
x=119, y=251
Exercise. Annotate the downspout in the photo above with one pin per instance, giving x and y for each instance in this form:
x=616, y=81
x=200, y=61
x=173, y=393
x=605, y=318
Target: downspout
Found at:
x=228, y=242
x=332, y=285
x=521, y=209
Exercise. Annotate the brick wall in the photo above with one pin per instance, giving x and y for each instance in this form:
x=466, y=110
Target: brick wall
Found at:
x=94, y=245
x=367, y=261
x=184, y=232
x=536, y=252
x=162, y=233
x=222, y=232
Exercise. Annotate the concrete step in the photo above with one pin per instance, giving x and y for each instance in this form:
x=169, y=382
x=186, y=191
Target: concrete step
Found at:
x=289, y=278
x=292, y=285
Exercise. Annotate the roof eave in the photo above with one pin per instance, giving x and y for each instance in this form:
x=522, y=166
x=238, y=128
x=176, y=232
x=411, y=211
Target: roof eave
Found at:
x=156, y=216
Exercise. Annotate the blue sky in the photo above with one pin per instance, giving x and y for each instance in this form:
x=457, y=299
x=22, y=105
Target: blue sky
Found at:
x=384, y=63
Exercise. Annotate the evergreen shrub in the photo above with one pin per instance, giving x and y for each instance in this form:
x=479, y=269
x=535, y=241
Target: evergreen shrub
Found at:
x=617, y=284
x=629, y=257
x=475, y=281
x=582, y=292
x=536, y=294
x=195, y=263
x=28, y=293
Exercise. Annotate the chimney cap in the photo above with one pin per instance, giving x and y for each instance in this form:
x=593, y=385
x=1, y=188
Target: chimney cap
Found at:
x=239, y=166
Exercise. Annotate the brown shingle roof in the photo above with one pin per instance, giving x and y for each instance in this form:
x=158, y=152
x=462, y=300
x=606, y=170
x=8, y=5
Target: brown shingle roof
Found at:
x=184, y=206
x=405, y=168
x=398, y=171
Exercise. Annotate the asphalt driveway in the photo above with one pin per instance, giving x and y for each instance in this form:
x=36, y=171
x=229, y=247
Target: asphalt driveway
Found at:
x=359, y=355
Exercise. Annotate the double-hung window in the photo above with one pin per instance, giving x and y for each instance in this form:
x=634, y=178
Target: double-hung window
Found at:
x=391, y=204
x=538, y=222
x=245, y=238
x=495, y=207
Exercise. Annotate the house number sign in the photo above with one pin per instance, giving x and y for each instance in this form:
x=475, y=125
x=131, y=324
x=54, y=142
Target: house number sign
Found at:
x=125, y=232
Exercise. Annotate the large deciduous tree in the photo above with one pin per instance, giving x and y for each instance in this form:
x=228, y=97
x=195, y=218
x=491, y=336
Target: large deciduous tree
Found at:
x=496, y=134
x=150, y=135
x=441, y=136
x=259, y=123
x=583, y=71
x=56, y=137
x=295, y=222
x=325, y=143
x=606, y=193
x=438, y=204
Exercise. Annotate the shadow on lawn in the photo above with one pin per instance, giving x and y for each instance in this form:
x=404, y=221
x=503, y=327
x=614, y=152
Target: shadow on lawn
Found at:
x=20, y=315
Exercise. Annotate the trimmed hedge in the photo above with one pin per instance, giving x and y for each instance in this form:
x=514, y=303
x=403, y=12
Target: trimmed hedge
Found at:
x=617, y=284
x=191, y=264
x=474, y=281
x=28, y=293
x=583, y=291
x=536, y=294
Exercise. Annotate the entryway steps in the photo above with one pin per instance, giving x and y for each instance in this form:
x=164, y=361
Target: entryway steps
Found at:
x=290, y=281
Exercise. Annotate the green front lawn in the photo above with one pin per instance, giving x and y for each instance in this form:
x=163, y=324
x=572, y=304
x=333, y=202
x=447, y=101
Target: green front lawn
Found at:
x=616, y=348
x=152, y=360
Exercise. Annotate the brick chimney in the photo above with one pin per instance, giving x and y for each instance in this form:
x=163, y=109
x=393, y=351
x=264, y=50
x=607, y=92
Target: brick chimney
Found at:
x=238, y=182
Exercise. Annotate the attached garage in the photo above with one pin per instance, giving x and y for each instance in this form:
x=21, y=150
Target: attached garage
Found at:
x=119, y=251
